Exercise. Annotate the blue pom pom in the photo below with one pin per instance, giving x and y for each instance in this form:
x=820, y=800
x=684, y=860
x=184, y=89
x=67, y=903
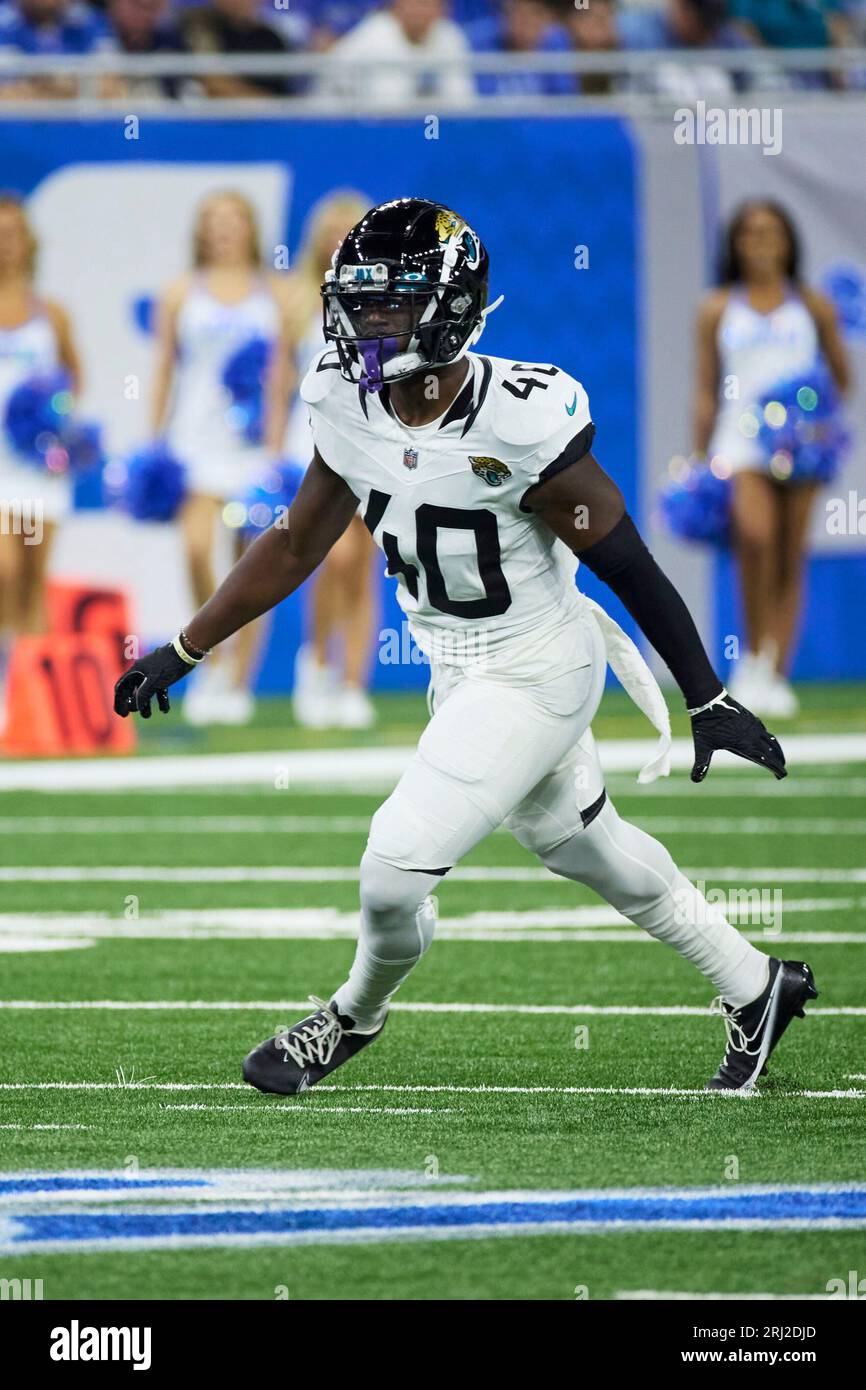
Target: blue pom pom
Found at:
x=270, y=498
x=244, y=377
x=150, y=484
x=846, y=286
x=37, y=413
x=698, y=507
x=42, y=429
x=803, y=432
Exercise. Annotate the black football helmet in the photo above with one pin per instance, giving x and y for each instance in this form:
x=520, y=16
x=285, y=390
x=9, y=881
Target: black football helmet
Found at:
x=407, y=290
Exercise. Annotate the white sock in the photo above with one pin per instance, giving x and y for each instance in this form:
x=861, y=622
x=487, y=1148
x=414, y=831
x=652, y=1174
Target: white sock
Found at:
x=701, y=932
x=364, y=996
x=637, y=875
x=397, y=924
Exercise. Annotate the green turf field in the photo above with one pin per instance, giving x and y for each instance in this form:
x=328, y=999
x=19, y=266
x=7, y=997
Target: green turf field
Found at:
x=137, y=966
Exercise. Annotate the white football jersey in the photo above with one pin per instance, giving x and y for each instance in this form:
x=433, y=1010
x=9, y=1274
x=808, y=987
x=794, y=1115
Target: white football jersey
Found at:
x=476, y=570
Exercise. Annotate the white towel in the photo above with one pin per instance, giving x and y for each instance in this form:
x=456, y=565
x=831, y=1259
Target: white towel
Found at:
x=638, y=680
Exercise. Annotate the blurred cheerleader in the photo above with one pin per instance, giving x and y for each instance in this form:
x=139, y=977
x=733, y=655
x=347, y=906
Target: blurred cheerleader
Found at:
x=35, y=340
x=342, y=600
x=226, y=304
x=760, y=328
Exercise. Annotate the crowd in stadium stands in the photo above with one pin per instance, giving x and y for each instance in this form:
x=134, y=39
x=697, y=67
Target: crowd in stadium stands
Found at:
x=359, y=31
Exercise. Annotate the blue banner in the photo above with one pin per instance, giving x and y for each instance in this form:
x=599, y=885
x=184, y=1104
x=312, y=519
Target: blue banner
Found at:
x=553, y=199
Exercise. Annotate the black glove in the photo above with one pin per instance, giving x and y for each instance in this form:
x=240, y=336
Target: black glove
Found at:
x=727, y=724
x=150, y=675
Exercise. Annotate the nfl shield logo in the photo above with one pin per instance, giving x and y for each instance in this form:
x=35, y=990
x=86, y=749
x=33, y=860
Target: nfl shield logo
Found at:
x=410, y=458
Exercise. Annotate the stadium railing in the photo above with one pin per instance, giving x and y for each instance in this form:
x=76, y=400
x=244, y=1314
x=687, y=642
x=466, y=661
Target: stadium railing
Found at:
x=330, y=86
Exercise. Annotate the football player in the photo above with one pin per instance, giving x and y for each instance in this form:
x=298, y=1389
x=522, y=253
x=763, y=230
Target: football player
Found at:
x=475, y=476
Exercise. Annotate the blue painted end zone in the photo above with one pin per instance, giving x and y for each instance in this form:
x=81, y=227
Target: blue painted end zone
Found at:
x=62, y=1183
x=644, y=1209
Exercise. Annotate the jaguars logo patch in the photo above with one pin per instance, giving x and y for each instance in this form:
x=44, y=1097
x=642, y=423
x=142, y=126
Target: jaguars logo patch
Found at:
x=493, y=471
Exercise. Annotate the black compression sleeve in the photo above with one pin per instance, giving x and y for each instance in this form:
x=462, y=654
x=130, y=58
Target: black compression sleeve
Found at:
x=622, y=560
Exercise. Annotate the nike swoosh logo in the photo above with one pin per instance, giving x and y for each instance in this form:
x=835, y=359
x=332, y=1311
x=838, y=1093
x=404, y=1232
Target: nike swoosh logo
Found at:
x=304, y=1083
x=570, y=409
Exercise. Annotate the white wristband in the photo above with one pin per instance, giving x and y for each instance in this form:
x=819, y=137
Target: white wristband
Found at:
x=700, y=710
x=184, y=654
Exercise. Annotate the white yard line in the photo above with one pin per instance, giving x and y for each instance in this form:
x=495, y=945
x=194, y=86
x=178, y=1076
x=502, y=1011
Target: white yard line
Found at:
x=631, y=936
x=251, y=919
x=31, y=1127
x=376, y=766
x=700, y=821
x=702, y=824
x=730, y=781
x=279, y=873
x=782, y=874
x=583, y=925
x=240, y=873
x=686, y=1296
x=295, y=1109
x=110, y=824
x=740, y=785
x=287, y=1006
x=24, y=943
x=646, y=1091
x=724, y=782
x=28, y=942
x=848, y=1094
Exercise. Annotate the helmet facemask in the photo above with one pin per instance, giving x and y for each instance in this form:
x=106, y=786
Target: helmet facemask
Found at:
x=388, y=329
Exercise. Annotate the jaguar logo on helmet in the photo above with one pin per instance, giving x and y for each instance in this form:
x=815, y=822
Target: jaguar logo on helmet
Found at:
x=448, y=224
x=493, y=471
x=451, y=227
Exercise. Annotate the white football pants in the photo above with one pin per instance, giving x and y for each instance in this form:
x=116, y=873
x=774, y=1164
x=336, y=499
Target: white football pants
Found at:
x=501, y=751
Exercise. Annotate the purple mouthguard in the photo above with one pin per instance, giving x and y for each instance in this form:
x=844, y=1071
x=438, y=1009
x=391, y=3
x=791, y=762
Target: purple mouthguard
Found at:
x=375, y=352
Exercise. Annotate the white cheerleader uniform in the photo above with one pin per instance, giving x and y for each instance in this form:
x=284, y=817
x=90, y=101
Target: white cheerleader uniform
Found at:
x=27, y=351
x=299, y=435
x=756, y=352
x=219, y=461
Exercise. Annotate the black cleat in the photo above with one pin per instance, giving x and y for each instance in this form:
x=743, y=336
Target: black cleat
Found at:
x=296, y=1058
x=754, y=1029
